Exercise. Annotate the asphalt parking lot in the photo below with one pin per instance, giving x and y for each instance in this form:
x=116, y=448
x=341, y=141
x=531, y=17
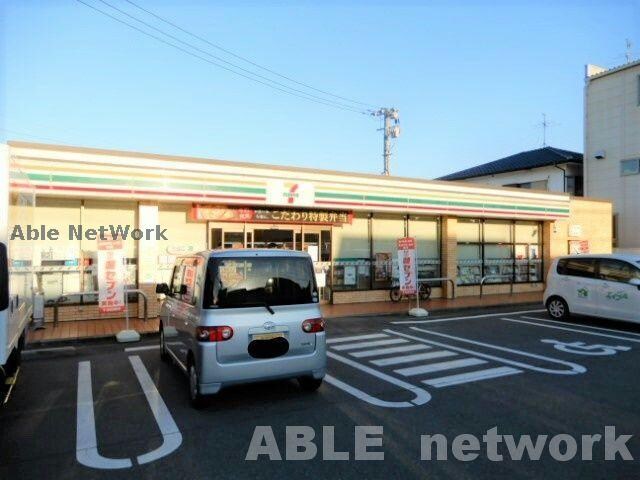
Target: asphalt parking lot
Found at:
x=102, y=410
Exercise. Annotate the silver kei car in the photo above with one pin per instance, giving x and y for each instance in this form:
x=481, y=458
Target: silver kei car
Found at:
x=240, y=316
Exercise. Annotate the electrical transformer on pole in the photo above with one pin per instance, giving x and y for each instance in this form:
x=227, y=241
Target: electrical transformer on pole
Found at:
x=391, y=130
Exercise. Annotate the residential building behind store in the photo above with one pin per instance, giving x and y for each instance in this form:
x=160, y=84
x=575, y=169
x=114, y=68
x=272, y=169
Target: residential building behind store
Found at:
x=349, y=223
x=612, y=146
x=550, y=169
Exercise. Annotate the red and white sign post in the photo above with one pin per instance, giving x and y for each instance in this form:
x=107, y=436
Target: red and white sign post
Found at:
x=111, y=276
x=408, y=273
x=111, y=284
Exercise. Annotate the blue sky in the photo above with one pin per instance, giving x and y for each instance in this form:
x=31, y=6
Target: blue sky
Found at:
x=471, y=78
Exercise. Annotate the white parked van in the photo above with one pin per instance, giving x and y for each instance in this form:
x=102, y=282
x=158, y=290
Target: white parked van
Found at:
x=17, y=201
x=239, y=316
x=597, y=285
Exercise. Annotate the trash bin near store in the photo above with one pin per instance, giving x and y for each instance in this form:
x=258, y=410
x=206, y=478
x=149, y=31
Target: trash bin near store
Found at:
x=38, y=310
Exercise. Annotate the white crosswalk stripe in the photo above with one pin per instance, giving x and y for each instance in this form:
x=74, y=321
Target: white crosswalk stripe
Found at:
x=377, y=343
x=331, y=341
x=388, y=351
x=437, y=367
x=383, y=362
x=418, y=359
x=471, y=376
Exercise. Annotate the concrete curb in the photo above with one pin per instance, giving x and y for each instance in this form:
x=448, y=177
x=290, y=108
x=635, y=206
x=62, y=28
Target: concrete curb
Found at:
x=360, y=316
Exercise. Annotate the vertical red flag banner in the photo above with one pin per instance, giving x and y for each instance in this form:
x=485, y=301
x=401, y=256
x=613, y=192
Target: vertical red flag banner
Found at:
x=407, y=268
x=111, y=275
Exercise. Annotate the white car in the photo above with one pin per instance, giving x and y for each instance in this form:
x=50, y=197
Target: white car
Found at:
x=597, y=285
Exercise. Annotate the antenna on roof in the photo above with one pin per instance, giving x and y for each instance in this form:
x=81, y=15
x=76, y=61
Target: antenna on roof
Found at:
x=544, y=124
x=628, y=53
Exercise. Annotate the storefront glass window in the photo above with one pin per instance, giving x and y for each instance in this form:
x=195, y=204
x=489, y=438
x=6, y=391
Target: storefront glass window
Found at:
x=387, y=229
x=506, y=252
x=426, y=231
x=528, y=252
x=469, y=251
x=352, y=264
x=57, y=263
x=498, y=251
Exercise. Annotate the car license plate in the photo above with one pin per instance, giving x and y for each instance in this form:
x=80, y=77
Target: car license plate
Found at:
x=267, y=336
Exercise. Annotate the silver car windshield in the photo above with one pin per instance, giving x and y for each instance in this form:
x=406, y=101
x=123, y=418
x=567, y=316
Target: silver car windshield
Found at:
x=259, y=281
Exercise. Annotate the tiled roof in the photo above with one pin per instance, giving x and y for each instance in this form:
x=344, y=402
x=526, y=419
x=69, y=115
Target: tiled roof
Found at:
x=541, y=157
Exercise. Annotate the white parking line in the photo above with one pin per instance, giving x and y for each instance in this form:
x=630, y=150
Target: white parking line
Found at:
x=471, y=377
x=331, y=341
x=468, y=317
x=377, y=343
x=48, y=350
x=574, y=367
x=86, y=438
x=140, y=349
x=384, y=362
x=580, y=330
x=388, y=351
x=172, y=438
x=437, y=367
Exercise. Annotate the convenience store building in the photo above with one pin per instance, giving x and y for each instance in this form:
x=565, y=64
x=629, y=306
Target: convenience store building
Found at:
x=348, y=222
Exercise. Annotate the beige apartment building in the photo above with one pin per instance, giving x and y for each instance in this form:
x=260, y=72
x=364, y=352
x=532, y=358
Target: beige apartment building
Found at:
x=612, y=146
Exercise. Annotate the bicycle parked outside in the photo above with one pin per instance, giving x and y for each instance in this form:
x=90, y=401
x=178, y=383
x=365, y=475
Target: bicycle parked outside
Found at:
x=396, y=295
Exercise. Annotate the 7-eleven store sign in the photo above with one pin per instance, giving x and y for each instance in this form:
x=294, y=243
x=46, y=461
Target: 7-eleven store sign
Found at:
x=290, y=193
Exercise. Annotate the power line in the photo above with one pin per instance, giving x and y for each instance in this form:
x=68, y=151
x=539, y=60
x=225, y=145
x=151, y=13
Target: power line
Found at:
x=303, y=95
x=244, y=59
x=219, y=58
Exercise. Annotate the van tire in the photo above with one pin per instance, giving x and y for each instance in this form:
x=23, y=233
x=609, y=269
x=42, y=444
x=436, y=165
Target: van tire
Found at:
x=164, y=356
x=309, y=384
x=194, y=389
x=557, y=308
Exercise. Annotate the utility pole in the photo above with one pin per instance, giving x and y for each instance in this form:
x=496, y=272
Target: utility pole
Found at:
x=391, y=130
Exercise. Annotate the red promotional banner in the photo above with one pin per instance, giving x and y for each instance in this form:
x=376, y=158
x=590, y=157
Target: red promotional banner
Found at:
x=407, y=269
x=111, y=276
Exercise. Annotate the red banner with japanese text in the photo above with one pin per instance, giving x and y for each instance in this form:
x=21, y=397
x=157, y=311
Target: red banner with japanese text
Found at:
x=407, y=268
x=111, y=275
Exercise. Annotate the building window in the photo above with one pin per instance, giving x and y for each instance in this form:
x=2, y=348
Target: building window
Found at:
x=426, y=231
x=501, y=251
x=469, y=251
x=630, y=167
x=537, y=185
x=352, y=250
x=575, y=185
x=386, y=230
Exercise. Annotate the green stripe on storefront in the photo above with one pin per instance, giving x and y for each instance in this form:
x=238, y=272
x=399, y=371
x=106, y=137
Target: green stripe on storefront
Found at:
x=202, y=187
x=144, y=183
x=422, y=201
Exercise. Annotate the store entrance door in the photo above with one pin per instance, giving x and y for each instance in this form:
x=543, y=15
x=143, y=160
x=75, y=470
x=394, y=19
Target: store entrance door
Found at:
x=273, y=238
